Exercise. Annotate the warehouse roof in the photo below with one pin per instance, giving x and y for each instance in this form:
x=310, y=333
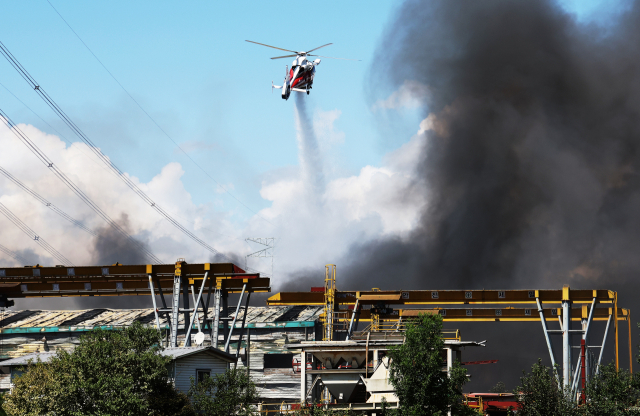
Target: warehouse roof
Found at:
x=39, y=320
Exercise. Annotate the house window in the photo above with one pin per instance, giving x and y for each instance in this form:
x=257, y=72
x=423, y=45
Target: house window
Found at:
x=201, y=374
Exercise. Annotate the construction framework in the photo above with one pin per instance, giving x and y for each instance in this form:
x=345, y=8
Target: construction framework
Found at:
x=220, y=280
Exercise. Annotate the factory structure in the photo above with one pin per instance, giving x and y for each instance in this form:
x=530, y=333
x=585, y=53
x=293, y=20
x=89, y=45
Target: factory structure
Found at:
x=321, y=346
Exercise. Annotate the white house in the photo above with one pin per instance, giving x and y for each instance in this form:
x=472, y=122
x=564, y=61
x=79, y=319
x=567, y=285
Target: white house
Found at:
x=185, y=363
x=196, y=362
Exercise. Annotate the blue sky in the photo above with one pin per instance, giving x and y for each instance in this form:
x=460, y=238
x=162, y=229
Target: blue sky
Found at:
x=189, y=66
x=191, y=69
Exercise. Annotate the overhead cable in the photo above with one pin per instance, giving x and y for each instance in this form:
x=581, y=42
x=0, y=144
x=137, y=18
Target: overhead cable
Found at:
x=13, y=254
x=101, y=156
x=71, y=185
x=46, y=203
x=154, y=121
x=35, y=237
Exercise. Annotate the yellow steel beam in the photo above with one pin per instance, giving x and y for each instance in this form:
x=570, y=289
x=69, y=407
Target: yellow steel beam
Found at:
x=491, y=314
x=122, y=272
x=443, y=297
x=50, y=287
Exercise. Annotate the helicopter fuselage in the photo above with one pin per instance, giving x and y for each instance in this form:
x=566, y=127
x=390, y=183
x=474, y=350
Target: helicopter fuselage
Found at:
x=300, y=77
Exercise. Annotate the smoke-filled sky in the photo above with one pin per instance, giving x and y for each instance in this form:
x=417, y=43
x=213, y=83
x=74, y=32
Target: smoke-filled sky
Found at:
x=491, y=144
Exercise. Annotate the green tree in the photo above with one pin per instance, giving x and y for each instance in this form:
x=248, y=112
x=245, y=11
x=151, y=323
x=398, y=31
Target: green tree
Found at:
x=540, y=395
x=612, y=393
x=230, y=393
x=416, y=371
x=108, y=373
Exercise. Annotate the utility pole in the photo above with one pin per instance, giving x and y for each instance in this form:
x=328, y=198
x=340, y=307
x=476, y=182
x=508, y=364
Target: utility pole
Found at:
x=269, y=244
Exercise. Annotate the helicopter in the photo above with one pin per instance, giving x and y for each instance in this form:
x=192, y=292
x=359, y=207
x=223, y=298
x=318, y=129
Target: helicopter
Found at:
x=300, y=77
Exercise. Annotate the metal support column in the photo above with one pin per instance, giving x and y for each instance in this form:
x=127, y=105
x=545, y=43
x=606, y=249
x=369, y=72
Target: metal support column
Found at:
x=205, y=307
x=244, y=321
x=175, y=309
x=630, y=348
x=566, y=337
x=216, y=320
x=248, y=350
x=356, y=311
x=546, y=333
x=153, y=299
x=196, y=302
x=604, y=340
x=185, y=308
x=303, y=378
x=235, y=318
x=586, y=324
x=225, y=313
x=166, y=315
x=615, y=327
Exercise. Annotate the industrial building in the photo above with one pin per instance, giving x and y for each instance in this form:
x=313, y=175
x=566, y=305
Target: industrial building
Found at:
x=269, y=330
x=322, y=345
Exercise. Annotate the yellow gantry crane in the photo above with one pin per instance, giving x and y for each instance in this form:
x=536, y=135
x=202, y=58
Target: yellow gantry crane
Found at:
x=343, y=310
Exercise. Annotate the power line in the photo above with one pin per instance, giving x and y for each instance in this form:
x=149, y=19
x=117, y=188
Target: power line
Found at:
x=35, y=237
x=46, y=203
x=153, y=120
x=13, y=254
x=92, y=159
x=50, y=126
x=101, y=156
x=74, y=188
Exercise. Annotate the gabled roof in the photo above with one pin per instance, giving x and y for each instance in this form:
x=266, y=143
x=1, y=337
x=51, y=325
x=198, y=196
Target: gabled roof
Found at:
x=181, y=352
x=24, y=360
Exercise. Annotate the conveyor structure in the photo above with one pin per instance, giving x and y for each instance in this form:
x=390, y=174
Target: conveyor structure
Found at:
x=179, y=280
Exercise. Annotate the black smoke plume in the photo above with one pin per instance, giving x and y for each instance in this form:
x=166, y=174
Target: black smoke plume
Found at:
x=111, y=247
x=532, y=161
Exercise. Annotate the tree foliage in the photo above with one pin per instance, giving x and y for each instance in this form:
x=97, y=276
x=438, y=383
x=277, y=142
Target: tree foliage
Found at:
x=540, y=395
x=416, y=371
x=612, y=393
x=108, y=373
x=230, y=393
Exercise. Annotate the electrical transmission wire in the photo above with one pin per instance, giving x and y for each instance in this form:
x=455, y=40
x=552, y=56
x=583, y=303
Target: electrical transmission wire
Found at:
x=71, y=185
x=101, y=156
x=13, y=254
x=51, y=127
x=46, y=203
x=28, y=231
x=154, y=121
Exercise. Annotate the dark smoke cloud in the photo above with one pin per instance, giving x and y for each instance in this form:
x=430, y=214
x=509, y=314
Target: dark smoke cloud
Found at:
x=531, y=168
x=111, y=247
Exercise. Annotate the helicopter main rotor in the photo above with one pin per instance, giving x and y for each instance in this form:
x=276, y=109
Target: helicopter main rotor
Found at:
x=301, y=53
